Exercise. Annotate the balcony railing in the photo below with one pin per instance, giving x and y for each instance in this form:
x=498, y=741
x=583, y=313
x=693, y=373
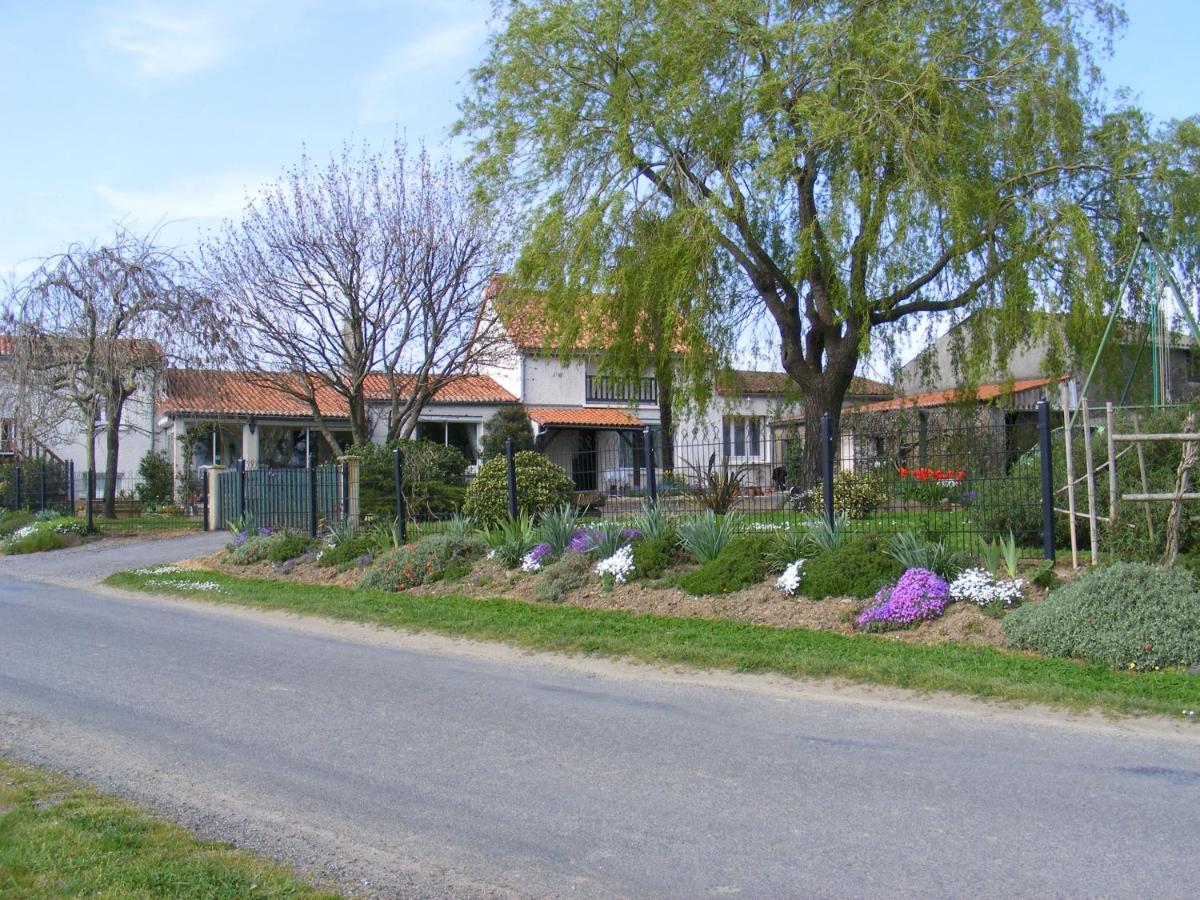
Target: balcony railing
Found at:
x=602, y=388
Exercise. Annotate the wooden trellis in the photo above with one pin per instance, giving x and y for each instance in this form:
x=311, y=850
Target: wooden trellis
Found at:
x=1134, y=441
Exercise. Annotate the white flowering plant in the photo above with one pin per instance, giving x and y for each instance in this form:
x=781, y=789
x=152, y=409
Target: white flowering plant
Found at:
x=619, y=566
x=978, y=587
x=789, y=581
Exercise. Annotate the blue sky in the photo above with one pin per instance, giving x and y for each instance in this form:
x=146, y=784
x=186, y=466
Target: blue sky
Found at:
x=146, y=110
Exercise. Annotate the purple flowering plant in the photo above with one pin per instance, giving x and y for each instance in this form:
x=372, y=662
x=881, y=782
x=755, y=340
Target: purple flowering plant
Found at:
x=239, y=538
x=264, y=531
x=917, y=596
x=540, y=552
x=581, y=541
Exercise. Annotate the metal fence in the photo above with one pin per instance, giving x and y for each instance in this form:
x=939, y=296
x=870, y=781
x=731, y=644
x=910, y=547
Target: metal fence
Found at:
x=305, y=500
x=37, y=485
x=948, y=477
x=134, y=505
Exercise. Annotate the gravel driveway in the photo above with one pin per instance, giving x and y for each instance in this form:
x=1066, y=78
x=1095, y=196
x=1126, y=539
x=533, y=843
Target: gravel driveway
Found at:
x=95, y=561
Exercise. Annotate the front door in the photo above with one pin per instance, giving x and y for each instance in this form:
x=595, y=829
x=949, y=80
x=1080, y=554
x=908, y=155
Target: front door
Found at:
x=583, y=463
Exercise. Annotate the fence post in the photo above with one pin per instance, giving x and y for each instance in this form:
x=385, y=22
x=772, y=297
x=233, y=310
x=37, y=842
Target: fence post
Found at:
x=42, y=486
x=512, y=478
x=827, y=465
x=242, y=489
x=206, y=524
x=89, y=502
x=922, y=438
x=345, y=492
x=17, y=487
x=312, y=501
x=71, y=486
x=1043, y=409
x=401, y=511
x=651, y=462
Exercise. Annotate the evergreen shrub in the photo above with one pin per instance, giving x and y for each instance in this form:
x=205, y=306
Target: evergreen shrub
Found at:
x=1127, y=615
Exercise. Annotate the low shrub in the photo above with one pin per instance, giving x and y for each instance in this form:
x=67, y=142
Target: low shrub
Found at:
x=1127, y=615
x=434, y=558
x=13, y=519
x=252, y=547
x=562, y=577
x=45, y=533
x=35, y=541
x=856, y=569
x=653, y=556
x=855, y=494
x=541, y=485
x=349, y=551
x=918, y=595
x=742, y=563
x=287, y=545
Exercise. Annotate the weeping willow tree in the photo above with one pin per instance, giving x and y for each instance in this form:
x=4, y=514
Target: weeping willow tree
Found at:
x=849, y=167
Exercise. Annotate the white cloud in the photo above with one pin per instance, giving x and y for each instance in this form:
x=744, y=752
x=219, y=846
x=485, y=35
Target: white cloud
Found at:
x=214, y=196
x=407, y=69
x=166, y=44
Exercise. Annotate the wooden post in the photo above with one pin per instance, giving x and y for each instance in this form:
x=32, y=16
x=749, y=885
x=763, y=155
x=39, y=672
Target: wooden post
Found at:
x=1090, y=462
x=1066, y=405
x=1141, y=454
x=1110, y=424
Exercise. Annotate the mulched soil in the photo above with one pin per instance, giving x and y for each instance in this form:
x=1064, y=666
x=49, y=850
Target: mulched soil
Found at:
x=762, y=604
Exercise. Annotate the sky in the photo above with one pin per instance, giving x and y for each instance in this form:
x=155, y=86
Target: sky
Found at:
x=149, y=112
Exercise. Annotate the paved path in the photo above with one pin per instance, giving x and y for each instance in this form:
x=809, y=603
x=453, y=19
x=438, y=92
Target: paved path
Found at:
x=408, y=768
x=99, y=559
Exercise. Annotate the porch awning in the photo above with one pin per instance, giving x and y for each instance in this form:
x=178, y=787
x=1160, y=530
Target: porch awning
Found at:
x=602, y=417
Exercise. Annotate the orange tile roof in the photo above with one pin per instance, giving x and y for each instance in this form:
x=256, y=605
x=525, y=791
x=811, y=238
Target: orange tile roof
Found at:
x=983, y=394
x=744, y=381
x=581, y=417
x=223, y=392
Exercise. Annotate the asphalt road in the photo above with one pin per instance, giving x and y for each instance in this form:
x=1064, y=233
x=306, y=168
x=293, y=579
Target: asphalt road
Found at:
x=405, y=767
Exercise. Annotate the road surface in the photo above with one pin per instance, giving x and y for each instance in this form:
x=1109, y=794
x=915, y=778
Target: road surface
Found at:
x=416, y=765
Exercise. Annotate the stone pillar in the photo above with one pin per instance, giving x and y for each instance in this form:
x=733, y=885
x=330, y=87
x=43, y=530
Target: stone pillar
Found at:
x=250, y=444
x=351, y=485
x=214, y=522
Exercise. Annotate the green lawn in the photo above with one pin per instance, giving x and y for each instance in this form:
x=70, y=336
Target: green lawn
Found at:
x=981, y=672
x=59, y=838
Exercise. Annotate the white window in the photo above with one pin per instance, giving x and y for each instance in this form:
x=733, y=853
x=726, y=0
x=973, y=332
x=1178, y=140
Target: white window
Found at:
x=742, y=437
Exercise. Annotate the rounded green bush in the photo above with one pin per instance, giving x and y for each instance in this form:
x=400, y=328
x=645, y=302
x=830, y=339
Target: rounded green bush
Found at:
x=540, y=485
x=855, y=494
x=563, y=576
x=433, y=558
x=856, y=569
x=288, y=545
x=653, y=556
x=1127, y=615
x=743, y=562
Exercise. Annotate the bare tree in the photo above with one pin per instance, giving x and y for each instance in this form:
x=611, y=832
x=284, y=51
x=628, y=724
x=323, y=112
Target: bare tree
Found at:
x=90, y=327
x=361, y=280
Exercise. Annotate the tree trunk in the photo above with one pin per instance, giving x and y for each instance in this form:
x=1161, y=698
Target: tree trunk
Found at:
x=112, y=449
x=824, y=395
x=666, y=414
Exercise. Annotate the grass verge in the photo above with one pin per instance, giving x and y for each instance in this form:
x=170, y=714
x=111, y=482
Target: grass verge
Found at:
x=59, y=838
x=978, y=671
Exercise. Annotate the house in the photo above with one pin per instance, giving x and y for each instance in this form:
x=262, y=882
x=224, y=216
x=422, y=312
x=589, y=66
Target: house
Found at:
x=217, y=417
x=1122, y=375
x=49, y=428
x=595, y=426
